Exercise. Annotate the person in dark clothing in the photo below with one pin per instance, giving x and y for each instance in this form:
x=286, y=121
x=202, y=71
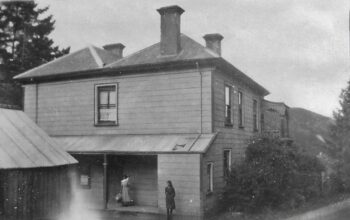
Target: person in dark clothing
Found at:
x=169, y=199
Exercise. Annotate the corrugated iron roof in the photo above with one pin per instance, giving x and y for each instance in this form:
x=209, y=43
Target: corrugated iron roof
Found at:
x=76, y=63
x=191, y=50
x=279, y=107
x=88, y=58
x=24, y=145
x=187, y=143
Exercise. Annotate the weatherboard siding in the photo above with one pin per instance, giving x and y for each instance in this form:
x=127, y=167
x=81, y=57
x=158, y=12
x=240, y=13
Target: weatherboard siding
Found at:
x=142, y=172
x=184, y=172
x=30, y=100
x=148, y=103
x=233, y=138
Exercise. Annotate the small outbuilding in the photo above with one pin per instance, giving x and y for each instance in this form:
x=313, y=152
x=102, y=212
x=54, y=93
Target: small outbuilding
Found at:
x=35, y=171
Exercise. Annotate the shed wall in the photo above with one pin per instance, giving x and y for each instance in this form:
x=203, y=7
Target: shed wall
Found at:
x=39, y=193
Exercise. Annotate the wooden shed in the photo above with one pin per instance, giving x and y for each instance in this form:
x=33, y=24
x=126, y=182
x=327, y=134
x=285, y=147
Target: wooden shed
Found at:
x=35, y=171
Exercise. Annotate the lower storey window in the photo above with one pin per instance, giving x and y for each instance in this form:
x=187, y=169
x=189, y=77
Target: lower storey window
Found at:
x=227, y=162
x=210, y=167
x=84, y=176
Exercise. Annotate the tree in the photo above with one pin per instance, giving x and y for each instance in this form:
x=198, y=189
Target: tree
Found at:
x=340, y=130
x=272, y=175
x=24, y=36
x=24, y=39
x=340, y=133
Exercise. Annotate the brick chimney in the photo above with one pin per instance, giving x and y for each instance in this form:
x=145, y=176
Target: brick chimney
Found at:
x=116, y=49
x=213, y=42
x=170, y=41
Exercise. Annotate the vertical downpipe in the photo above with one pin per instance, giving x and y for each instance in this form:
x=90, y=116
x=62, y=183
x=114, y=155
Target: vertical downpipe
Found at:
x=201, y=107
x=36, y=102
x=105, y=185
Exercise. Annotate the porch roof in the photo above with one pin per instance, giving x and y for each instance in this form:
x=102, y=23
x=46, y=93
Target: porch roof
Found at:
x=136, y=144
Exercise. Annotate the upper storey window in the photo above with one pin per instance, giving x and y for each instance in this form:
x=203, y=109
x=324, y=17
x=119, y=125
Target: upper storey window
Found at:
x=240, y=110
x=106, y=105
x=228, y=106
x=255, y=115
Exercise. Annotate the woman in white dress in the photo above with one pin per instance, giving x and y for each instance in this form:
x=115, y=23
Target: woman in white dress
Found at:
x=125, y=190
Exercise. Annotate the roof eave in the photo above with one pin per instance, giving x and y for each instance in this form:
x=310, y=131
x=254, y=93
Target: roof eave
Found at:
x=100, y=72
x=223, y=64
x=281, y=103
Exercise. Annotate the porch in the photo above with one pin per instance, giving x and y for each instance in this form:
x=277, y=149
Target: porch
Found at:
x=99, y=177
x=149, y=160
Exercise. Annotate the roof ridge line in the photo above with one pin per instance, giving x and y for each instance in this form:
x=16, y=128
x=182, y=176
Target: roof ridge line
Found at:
x=204, y=47
x=45, y=64
x=139, y=51
x=95, y=55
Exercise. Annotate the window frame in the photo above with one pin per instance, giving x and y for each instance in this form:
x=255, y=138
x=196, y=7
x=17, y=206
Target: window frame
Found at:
x=84, y=170
x=262, y=122
x=97, y=121
x=228, y=114
x=240, y=110
x=255, y=115
x=227, y=169
x=283, y=126
x=210, y=175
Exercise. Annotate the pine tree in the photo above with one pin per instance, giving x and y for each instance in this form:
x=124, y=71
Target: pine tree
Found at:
x=24, y=38
x=340, y=131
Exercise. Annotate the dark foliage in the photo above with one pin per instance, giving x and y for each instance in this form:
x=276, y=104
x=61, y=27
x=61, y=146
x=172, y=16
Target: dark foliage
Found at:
x=340, y=133
x=24, y=42
x=273, y=175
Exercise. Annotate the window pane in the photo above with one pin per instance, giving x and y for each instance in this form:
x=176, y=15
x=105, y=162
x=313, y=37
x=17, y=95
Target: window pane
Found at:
x=240, y=116
x=103, y=98
x=112, y=98
x=255, y=106
x=240, y=98
x=227, y=95
x=210, y=176
x=255, y=116
x=106, y=107
x=108, y=114
x=227, y=162
x=84, y=180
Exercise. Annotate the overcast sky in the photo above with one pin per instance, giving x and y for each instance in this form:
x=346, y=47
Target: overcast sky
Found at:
x=297, y=49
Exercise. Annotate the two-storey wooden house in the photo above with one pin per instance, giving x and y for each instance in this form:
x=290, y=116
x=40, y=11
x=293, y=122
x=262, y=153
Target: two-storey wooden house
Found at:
x=175, y=110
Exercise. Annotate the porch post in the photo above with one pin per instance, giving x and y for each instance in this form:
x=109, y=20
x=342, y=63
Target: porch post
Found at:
x=105, y=191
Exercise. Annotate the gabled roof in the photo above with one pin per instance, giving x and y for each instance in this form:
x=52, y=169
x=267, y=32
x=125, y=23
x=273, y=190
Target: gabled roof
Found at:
x=88, y=58
x=24, y=145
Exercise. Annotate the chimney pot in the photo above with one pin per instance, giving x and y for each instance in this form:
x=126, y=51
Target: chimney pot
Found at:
x=116, y=49
x=213, y=42
x=170, y=39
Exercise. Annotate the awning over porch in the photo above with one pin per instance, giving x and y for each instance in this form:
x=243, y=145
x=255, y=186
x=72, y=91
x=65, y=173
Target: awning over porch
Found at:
x=186, y=143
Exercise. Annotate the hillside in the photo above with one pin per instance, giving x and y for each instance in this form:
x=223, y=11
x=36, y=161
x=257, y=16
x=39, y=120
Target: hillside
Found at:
x=310, y=130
